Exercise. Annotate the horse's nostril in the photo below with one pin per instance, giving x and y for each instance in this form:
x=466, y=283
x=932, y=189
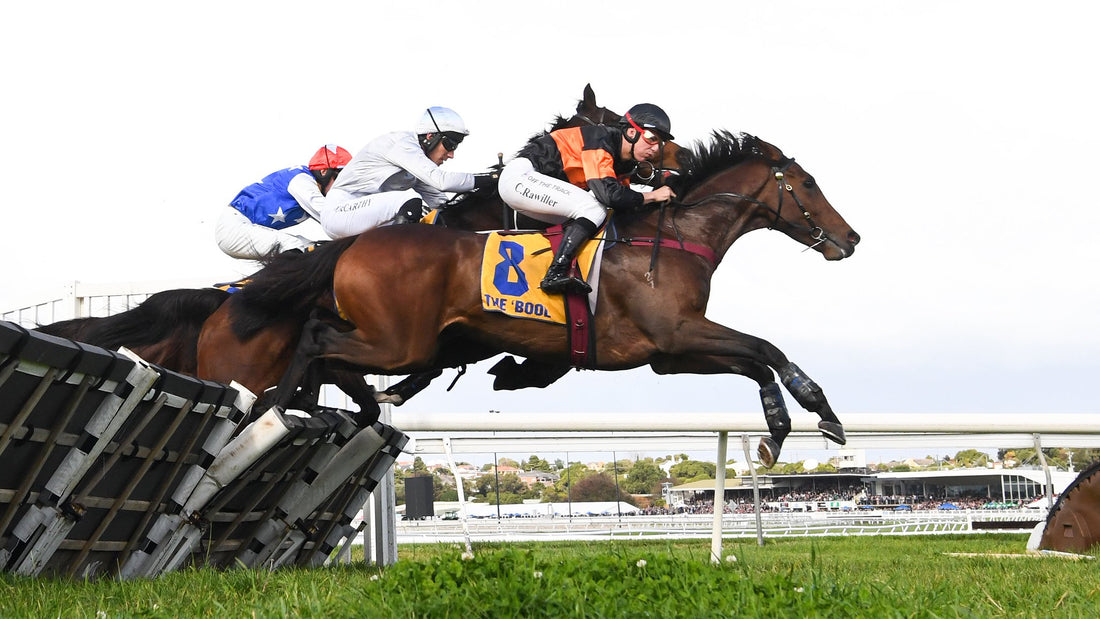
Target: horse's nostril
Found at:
x=853, y=238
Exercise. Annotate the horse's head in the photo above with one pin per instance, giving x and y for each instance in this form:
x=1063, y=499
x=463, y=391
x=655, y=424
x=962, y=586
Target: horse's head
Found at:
x=771, y=189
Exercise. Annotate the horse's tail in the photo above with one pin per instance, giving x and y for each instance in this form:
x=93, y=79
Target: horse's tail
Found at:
x=290, y=286
x=71, y=329
x=164, y=314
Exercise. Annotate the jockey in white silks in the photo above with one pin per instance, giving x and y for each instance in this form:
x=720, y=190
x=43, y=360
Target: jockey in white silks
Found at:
x=396, y=177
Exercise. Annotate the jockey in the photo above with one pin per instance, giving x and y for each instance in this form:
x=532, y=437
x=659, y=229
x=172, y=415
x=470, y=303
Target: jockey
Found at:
x=253, y=225
x=393, y=177
x=573, y=176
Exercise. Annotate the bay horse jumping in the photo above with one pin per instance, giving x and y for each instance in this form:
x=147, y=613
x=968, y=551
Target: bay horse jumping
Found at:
x=251, y=341
x=434, y=318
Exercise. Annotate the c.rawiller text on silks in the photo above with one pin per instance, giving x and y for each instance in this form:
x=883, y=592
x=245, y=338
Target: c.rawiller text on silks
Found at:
x=511, y=268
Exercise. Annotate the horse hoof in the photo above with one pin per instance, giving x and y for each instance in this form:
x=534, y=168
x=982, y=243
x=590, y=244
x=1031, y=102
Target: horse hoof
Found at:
x=768, y=451
x=381, y=397
x=832, y=431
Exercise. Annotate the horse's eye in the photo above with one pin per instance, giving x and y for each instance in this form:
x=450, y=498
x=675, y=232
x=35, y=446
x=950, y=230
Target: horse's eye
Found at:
x=809, y=183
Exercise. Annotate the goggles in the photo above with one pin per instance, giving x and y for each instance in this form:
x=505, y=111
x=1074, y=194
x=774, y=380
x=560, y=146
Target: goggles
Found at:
x=451, y=139
x=649, y=136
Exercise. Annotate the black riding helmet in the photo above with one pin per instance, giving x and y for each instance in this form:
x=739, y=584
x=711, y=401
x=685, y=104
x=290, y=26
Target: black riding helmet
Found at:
x=646, y=116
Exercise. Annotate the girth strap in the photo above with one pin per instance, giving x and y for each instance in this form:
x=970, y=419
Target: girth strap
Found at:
x=578, y=316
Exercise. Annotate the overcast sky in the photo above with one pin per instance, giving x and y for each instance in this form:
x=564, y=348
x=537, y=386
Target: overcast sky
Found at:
x=959, y=139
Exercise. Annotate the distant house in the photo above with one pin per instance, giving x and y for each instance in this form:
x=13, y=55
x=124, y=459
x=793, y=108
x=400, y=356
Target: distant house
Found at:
x=530, y=478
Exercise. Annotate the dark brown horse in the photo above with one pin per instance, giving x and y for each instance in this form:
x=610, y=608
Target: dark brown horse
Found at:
x=163, y=329
x=412, y=303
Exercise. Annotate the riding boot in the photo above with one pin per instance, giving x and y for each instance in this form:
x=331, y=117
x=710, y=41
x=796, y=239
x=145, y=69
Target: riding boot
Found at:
x=559, y=277
x=410, y=212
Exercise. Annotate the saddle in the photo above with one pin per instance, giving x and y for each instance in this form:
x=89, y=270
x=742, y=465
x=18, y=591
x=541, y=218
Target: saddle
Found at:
x=512, y=265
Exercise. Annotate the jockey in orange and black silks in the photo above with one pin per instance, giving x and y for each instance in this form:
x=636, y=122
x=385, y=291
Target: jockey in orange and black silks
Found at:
x=572, y=176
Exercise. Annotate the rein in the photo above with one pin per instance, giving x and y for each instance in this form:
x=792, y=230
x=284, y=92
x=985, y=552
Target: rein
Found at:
x=657, y=242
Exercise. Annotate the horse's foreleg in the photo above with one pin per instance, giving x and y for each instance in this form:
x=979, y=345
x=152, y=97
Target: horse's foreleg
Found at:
x=812, y=398
x=771, y=396
x=362, y=393
x=707, y=338
x=779, y=424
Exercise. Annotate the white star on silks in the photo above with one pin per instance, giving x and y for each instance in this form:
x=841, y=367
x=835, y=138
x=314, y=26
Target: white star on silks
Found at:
x=302, y=218
x=278, y=216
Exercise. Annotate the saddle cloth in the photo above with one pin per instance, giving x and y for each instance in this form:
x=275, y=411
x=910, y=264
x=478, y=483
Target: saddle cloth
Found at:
x=512, y=267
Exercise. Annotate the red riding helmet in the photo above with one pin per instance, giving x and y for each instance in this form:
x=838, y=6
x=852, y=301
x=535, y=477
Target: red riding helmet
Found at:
x=329, y=156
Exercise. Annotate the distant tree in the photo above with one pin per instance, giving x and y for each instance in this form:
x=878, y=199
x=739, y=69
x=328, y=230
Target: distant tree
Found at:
x=507, y=462
x=598, y=487
x=573, y=473
x=971, y=458
x=535, y=491
x=619, y=467
x=535, y=463
x=788, y=468
x=692, y=470
x=419, y=468
x=1056, y=457
x=643, y=478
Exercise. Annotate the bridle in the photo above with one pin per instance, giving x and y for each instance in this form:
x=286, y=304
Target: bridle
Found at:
x=779, y=169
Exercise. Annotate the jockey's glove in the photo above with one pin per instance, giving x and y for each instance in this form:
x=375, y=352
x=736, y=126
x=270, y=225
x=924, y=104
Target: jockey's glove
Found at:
x=486, y=181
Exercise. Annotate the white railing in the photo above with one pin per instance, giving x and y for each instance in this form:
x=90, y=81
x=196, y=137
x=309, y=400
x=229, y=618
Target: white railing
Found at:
x=698, y=526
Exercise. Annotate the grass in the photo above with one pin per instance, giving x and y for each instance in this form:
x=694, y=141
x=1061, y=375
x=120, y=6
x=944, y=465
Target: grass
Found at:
x=873, y=576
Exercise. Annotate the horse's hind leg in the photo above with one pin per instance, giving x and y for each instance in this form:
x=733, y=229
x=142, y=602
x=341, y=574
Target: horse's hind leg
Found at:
x=531, y=373
x=407, y=388
x=712, y=339
x=812, y=398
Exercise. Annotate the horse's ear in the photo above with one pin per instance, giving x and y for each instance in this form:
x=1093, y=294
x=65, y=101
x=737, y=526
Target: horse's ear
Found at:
x=589, y=99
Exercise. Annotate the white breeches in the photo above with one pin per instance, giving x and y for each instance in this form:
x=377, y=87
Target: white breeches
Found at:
x=546, y=198
x=240, y=238
x=348, y=215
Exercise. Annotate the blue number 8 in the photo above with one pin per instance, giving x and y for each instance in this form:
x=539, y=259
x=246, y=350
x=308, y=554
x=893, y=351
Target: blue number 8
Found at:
x=513, y=255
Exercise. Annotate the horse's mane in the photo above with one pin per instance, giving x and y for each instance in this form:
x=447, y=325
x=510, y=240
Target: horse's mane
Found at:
x=289, y=285
x=559, y=122
x=702, y=160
